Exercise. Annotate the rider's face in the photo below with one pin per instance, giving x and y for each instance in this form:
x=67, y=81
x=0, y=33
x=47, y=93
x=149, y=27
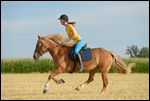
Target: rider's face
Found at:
x=62, y=21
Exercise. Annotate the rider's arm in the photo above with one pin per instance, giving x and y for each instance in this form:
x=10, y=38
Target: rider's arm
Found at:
x=70, y=38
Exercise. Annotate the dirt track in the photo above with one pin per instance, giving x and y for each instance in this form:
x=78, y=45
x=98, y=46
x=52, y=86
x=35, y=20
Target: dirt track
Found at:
x=30, y=86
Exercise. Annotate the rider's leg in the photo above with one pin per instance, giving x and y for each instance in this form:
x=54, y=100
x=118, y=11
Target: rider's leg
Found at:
x=77, y=48
x=80, y=62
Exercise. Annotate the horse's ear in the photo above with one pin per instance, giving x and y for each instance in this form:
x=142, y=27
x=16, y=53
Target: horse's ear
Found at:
x=39, y=37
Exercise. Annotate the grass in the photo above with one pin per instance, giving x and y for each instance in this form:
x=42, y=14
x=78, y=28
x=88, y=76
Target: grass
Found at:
x=28, y=65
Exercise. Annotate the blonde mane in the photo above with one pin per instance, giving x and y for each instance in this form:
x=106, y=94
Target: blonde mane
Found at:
x=58, y=38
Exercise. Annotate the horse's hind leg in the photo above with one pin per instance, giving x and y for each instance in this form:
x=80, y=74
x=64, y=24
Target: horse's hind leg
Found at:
x=104, y=73
x=105, y=81
x=90, y=79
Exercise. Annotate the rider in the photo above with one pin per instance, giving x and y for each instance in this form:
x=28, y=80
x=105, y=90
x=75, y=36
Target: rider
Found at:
x=73, y=35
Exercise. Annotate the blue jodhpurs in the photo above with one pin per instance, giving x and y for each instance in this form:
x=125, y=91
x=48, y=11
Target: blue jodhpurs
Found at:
x=79, y=44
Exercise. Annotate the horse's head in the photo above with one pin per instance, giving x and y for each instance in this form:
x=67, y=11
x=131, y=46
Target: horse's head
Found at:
x=48, y=43
x=41, y=48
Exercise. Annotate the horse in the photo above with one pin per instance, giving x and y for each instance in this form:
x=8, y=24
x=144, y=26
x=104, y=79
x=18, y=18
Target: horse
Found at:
x=102, y=60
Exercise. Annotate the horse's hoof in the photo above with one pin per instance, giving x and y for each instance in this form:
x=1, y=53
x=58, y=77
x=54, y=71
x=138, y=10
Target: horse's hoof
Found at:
x=44, y=91
x=77, y=89
x=61, y=81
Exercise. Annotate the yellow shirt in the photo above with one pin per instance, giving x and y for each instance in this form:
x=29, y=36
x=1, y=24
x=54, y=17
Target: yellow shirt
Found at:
x=69, y=32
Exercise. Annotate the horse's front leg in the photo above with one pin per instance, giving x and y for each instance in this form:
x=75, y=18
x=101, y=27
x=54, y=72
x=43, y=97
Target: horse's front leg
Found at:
x=51, y=76
x=60, y=81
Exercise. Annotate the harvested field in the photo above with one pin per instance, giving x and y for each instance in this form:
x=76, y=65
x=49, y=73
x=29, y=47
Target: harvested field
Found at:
x=30, y=86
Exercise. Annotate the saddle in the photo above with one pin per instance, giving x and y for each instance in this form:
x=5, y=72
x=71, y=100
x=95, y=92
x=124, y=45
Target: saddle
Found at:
x=85, y=52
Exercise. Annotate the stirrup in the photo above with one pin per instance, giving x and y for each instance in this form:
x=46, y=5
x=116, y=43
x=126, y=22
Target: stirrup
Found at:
x=81, y=69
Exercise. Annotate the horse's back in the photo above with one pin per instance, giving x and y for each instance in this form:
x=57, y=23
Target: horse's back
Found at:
x=101, y=51
x=103, y=54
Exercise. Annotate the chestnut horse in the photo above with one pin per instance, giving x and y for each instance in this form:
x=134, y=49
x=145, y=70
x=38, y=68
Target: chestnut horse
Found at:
x=101, y=59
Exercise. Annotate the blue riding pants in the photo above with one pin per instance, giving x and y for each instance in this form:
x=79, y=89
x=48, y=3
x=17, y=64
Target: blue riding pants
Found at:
x=79, y=44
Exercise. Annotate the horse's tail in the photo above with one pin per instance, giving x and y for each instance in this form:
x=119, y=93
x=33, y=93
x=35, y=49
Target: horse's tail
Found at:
x=121, y=66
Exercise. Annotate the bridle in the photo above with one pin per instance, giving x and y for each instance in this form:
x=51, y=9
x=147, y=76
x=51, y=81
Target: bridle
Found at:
x=41, y=53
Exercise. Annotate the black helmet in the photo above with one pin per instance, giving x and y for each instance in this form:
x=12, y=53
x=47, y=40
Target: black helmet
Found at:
x=64, y=17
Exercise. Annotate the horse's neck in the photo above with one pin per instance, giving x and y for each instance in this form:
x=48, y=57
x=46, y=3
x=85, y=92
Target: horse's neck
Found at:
x=55, y=49
x=58, y=52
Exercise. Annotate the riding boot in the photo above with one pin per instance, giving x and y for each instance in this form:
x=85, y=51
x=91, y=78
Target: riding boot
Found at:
x=80, y=62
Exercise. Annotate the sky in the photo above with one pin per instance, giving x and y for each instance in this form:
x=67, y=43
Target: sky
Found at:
x=112, y=25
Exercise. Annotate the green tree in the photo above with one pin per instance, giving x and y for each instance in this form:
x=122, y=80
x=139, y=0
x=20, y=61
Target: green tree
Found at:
x=144, y=52
x=134, y=51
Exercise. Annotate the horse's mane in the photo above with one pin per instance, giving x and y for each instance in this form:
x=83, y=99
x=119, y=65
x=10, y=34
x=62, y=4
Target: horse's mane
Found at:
x=59, y=38
x=56, y=37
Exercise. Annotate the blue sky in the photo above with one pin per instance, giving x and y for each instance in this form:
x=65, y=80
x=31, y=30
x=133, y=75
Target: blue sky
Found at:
x=108, y=24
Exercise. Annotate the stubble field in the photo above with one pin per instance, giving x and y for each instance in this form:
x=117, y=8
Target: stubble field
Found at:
x=30, y=86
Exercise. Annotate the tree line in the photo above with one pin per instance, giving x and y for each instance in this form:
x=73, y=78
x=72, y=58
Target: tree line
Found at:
x=136, y=52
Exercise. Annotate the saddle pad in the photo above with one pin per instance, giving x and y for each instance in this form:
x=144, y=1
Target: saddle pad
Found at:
x=86, y=54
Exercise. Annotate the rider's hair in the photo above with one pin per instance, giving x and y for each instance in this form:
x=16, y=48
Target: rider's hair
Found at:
x=73, y=23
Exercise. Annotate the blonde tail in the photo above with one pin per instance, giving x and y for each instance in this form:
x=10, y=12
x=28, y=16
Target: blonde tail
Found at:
x=121, y=66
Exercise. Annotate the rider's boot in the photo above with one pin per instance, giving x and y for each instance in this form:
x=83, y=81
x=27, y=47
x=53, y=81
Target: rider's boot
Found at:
x=80, y=62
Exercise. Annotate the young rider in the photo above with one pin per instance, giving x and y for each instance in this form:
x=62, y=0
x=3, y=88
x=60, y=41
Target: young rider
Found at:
x=73, y=35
